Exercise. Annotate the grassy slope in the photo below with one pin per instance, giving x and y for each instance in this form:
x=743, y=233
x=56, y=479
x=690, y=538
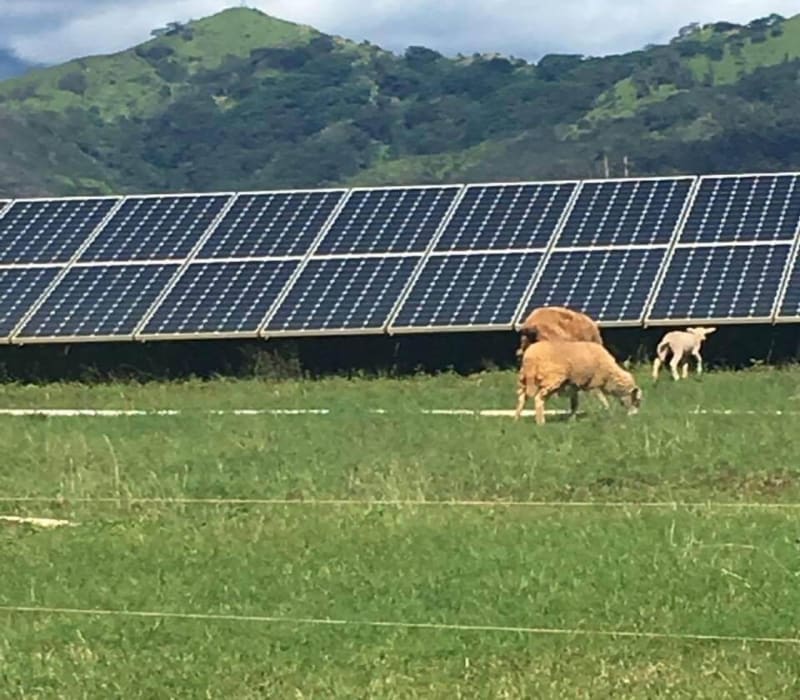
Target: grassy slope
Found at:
x=125, y=84
x=621, y=101
x=696, y=570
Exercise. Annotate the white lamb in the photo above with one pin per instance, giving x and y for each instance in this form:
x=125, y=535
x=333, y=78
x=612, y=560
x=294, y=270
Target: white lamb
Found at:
x=554, y=367
x=681, y=344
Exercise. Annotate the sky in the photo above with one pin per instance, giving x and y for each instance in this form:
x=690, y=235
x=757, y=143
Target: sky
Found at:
x=52, y=31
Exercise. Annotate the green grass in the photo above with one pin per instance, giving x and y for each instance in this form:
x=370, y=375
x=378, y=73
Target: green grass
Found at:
x=676, y=569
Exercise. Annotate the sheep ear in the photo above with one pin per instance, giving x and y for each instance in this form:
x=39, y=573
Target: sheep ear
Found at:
x=710, y=330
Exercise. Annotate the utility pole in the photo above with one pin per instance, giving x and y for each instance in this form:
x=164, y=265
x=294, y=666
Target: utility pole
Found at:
x=605, y=165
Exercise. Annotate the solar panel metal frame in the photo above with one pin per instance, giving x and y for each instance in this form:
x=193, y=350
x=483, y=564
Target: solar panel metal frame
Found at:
x=139, y=334
x=420, y=255
x=391, y=329
x=18, y=339
x=65, y=267
x=649, y=322
x=521, y=310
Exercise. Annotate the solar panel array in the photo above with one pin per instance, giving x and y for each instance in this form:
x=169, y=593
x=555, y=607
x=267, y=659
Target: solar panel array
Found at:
x=363, y=261
x=485, y=258
x=652, y=251
x=609, y=252
x=730, y=259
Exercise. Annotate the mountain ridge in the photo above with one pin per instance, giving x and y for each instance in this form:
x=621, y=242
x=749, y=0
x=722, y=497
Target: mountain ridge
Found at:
x=242, y=100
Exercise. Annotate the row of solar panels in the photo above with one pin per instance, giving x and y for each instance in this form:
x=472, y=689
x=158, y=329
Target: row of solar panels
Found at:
x=399, y=259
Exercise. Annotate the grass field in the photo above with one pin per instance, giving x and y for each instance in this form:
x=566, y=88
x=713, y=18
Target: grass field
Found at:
x=689, y=566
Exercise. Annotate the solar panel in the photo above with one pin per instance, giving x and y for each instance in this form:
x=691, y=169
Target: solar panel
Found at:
x=271, y=223
x=744, y=208
x=49, y=230
x=720, y=283
x=221, y=298
x=99, y=301
x=343, y=294
x=467, y=291
x=611, y=285
x=388, y=220
x=155, y=228
x=20, y=287
x=625, y=212
x=498, y=217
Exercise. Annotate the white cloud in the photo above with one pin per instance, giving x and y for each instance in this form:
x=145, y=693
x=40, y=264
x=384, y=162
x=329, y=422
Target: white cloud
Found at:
x=55, y=30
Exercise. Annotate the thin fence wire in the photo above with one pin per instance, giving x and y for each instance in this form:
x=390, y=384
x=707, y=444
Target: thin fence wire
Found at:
x=391, y=624
x=402, y=503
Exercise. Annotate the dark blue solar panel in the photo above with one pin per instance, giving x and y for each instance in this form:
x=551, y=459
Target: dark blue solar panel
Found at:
x=468, y=290
x=721, y=282
x=344, y=293
x=609, y=285
x=155, y=228
x=388, y=220
x=271, y=224
x=629, y=212
x=221, y=298
x=19, y=289
x=500, y=217
x=99, y=301
x=49, y=230
x=744, y=208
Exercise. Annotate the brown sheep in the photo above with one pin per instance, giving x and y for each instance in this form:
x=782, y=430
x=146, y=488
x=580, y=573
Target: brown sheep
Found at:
x=559, y=323
x=552, y=367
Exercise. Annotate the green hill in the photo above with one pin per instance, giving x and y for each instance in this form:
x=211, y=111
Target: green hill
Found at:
x=243, y=101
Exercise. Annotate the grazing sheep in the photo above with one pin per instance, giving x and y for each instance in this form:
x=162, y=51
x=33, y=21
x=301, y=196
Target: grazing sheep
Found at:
x=554, y=367
x=559, y=323
x=681, y=344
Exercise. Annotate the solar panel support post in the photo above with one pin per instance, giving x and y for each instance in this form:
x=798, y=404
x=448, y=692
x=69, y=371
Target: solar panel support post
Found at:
x=676, y=235
x=516, y=322
x=182, y=267
x=337, y=210
x=448, y=217
x=786, y=279
x=64, y=270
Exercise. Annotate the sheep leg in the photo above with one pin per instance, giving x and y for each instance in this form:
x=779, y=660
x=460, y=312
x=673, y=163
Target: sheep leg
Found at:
x=673, y=366
x=539, y=400
x=699, y=359
x=573, y=403
x=685, y=369
x=522, y=395
x=661, y=357
x=601, y=397
x=656, y=366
